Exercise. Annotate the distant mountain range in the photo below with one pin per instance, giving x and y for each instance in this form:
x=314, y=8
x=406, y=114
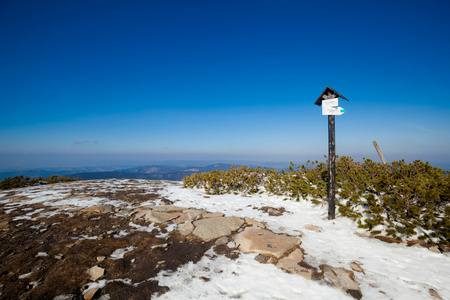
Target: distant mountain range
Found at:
x=47, y=172
x=155, y=172
x=151, y=172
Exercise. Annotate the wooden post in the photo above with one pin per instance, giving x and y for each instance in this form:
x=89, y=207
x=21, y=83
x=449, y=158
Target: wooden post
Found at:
x=331, y=168
x=379, y=152
x=330, y=108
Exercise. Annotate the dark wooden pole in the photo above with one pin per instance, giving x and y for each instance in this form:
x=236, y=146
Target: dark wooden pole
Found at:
x=331, y=168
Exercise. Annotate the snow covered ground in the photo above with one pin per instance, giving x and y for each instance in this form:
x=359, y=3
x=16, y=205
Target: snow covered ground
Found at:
x=391, y=271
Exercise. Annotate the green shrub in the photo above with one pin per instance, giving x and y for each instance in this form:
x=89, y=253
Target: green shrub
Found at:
x=22, y=181
x=399, y=197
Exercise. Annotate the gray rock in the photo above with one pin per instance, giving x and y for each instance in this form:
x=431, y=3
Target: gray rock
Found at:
x=265, y=242
x=213, y=228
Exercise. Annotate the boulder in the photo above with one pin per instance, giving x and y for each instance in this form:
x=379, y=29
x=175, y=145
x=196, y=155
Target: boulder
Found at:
x=342, y=279
x=212, y=228
x=265, y=242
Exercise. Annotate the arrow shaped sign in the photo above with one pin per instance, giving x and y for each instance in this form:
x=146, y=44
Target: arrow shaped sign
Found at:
x=330, y=107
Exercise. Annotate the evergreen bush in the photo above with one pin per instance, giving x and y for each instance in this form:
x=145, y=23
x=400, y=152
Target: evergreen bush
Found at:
x=401, y=200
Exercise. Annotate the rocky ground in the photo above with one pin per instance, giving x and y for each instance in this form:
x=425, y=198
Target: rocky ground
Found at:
x=109, y=239
x=46, y=251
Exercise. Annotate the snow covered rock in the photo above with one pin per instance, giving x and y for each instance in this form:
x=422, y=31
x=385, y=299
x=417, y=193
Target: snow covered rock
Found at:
x=265, y=242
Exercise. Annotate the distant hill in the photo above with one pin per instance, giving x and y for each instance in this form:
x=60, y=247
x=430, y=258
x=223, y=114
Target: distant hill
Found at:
x=167, y=170
x=151, y=172
x=47, y=172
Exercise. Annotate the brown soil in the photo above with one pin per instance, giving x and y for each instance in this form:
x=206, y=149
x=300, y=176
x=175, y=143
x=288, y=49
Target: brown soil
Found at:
x=57, y=254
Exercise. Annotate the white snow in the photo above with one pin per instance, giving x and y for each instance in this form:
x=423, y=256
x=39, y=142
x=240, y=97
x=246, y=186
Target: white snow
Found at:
x=218, y=277
x=391, y=271
x=119, y=253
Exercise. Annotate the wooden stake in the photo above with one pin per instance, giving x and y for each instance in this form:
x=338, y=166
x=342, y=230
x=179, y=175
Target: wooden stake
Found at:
x=331, y=168
x=379, y=152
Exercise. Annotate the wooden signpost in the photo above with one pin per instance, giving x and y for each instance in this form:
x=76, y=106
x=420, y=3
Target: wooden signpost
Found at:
x=329, y=102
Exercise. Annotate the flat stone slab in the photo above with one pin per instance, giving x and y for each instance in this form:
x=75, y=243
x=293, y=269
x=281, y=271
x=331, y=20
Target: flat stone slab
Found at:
x=265, y=242
x=168, y=208
x=194, y=214
x=253, y=222
x=342, y=279
x=313, y=228
x=212, y=215
x=160, y=216
x=140, y=212
x=95, y=272
x=293, y=263
x=213, y=228
x=186, y=228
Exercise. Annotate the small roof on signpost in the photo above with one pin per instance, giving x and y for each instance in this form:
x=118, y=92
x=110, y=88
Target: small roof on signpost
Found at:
x=328, y=93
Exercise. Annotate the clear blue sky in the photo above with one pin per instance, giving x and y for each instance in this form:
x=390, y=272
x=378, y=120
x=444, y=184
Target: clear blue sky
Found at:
x=234, y=80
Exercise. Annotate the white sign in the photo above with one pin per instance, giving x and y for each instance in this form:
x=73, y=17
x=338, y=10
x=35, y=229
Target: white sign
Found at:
x=330, y=107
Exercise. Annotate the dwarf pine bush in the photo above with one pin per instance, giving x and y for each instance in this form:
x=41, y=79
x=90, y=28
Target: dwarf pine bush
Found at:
x=22, y=181
x=399, y=199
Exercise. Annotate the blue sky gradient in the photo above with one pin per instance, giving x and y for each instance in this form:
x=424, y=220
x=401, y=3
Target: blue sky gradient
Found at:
x=221, y=80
